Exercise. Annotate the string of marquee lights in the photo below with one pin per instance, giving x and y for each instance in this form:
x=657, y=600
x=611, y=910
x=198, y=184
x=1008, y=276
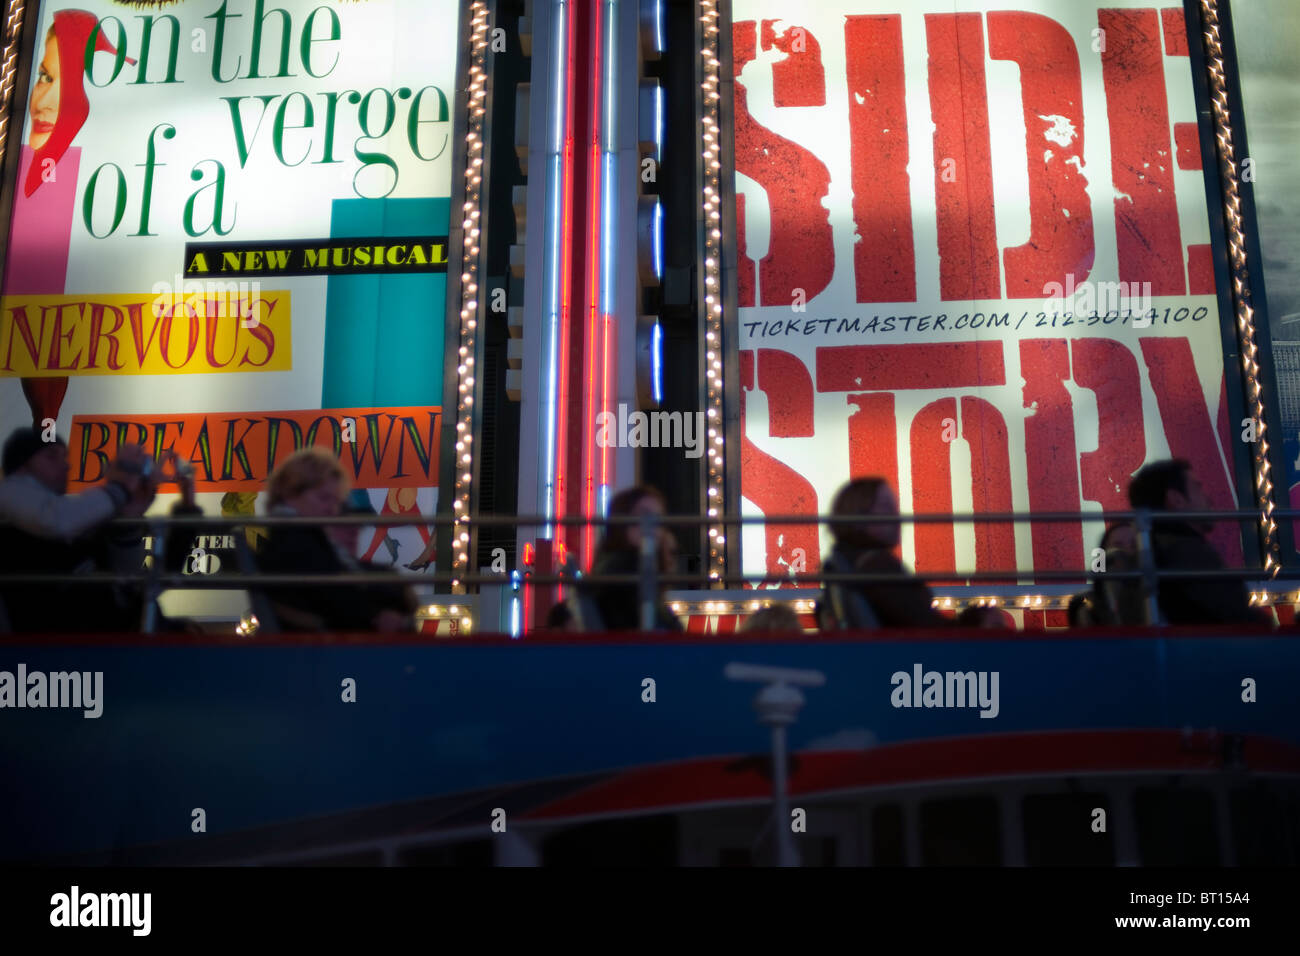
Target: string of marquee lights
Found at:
x=711, y=178
x=1012, y=602
x=1241, y=294
x=13, y=35
x=469, y=283
x=1028, y=602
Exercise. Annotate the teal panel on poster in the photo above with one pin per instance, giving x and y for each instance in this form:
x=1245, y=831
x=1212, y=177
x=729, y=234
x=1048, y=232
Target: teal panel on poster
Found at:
x=384, y=334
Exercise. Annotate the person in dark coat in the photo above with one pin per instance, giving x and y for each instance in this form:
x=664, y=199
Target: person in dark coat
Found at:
x=44, y=530
x=619, y=552
x=347, y=539
x=869, y=549
x=1184, y=545
x=1117, y=601
x=312, y=483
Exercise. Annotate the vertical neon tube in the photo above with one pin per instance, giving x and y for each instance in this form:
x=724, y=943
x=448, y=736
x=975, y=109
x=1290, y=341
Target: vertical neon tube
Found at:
x=656, y=363
x=591, y=349
x=609, y=224
x=566, y=282
x=554, y=184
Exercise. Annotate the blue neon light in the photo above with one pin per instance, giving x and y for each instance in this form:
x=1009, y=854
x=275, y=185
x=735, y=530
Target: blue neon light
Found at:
x=657, y=363
x=514, y=605
x=657, y=239
x=659, y=122
x=609, y=231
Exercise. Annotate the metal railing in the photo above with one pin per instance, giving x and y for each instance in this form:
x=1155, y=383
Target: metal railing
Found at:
x=649, y=578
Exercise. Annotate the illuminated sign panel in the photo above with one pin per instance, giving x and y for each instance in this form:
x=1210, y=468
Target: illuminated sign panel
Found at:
x=973, y=259
x=233, y=214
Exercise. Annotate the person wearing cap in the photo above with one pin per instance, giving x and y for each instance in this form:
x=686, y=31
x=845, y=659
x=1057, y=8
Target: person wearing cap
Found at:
x=33, y=493
x=45, y=530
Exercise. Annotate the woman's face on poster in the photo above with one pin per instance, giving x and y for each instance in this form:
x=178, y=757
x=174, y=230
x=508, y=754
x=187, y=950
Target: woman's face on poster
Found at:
x=45, y=96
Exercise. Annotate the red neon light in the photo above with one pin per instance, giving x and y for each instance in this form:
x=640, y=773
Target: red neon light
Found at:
x=593, y=294
x=526, y=619
x=566, y=285
x=530, y=553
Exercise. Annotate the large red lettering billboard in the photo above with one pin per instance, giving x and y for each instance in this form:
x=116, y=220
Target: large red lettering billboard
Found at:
x=974, y=258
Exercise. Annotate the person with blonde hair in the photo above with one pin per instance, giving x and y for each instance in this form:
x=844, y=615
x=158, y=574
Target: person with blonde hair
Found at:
x=311, y=483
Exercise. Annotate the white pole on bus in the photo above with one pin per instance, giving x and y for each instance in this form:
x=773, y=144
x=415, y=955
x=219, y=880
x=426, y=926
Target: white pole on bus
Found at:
x=778, y=705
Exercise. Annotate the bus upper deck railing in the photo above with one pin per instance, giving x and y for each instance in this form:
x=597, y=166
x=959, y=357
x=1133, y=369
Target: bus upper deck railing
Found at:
x=650, y=578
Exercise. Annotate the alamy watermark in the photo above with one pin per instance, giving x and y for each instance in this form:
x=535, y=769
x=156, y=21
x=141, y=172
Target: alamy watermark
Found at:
x=659, y=429
x=922, y=688
x=77, y=690
x=217, y=298
x=1085, y=298
x=75, y=908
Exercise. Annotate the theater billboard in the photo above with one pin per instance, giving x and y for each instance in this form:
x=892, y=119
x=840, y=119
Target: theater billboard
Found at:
x=229, y=234
x=974, y=257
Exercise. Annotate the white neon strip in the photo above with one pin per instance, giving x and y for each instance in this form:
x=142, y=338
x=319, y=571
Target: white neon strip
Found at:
x=552, y=341
x=659, y=25
x=607, y=217
x=552, y=278
x=611, y=12
x=561, y=20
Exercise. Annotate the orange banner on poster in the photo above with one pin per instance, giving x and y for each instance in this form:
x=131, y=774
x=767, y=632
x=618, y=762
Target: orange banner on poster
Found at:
x=235, y=451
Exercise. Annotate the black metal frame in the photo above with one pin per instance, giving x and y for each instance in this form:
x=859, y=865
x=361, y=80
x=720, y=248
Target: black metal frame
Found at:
x=1236, y=391
x=499, y=491
x=679, y=300
x=729, y=285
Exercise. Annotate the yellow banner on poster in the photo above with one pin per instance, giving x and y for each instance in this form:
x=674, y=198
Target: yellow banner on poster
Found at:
x=233, y=327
